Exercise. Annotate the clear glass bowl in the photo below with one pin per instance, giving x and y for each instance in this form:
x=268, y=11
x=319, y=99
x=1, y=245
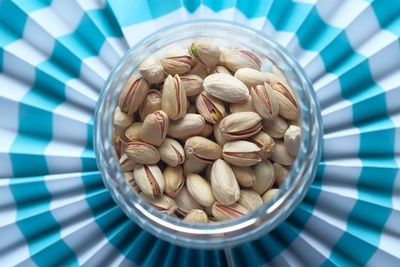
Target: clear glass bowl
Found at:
x=219, y=234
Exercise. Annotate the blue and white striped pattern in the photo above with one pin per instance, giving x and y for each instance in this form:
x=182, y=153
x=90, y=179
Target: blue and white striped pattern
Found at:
x=54, y=58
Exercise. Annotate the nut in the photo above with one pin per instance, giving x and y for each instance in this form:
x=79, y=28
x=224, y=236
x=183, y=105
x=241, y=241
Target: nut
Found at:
x=131, y=133
x=154, y=128
x=199, y=70
x=152, y=70
x=190, y=125
x=142, y=153
x=171, y=152
x=264, y=101
x=202, y=149
x=192, y=83
x=265, y=176
x=267, y=196
x=177, y=61
x=133, y=93
x=237, y=59
x=126, y=163
x=281, y=154
x=242, y=107
x=205, y=53
x=218, y=135
x=250, y=199
x=174, y=101
x=226, y=87
x=121, y=119
x=223, y=183
x=162, y=203
x=174, y=181
x=149, y=179
x=241, y=153
x=287, y=101
x=185, y=202
x=207, y=130
x=193, y=165
x=251, y=77
x=151, y=103
x=240, y=125
x=281, y=173
x=223, y=212
x=212, y=109
x=276, y=127
x=131, y=180
x=292, y=139
x=263, y=141
x=220, y=69
x=246, y=176
x=200, y=189
x=196, y=215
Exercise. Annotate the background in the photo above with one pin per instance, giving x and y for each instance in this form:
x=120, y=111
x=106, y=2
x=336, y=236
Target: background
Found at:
x=54, y=58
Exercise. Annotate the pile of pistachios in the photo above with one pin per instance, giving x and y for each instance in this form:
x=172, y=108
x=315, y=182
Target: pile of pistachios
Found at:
x=204, y=134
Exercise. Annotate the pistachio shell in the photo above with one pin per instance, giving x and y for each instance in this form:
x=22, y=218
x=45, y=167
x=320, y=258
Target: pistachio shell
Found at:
x=205, y=53
x=131, y=180
x=223, y=212
x=133, y=93
x=126, y=163
x=193, y=165
x=211, y=108
x=202, y=149
x=171, y=152
x=154, y=128
x=142, y=153
x=241, y=153
x=281, y=173
x=162, y=203
x=250, y=199
x=220, y=69
x=149, y=179
x=185, y=202
x=281, y=154
x=121, y=119
x=151, y=103
x=246, y=176
x=200, y=189
x=174, y=100
x=265, y=176
x=288, y=107
x=218, y=135
x=177, y=61
x=251, y=77
x=192, y=83
x=190, y=125
x=174, y=181
x=292, y=139
x=242, y=107
x=276, y=127
x=264, y=101
x=265, y=142
x=207, y=130
x=152, y=70
x=226, y=88
x=267, y=196
x=223, y=183
x=196, y=215
x=199, y=70
x=240, y=125
x=131, y=133
x=237, y=59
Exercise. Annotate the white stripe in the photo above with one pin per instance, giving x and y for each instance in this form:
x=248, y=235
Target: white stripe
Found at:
x=343, y=143
x=76, y=91
x=13, y=248
x=91, y=4
x=7, y=139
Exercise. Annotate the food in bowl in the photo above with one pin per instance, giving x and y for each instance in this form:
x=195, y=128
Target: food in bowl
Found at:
x=205, y=135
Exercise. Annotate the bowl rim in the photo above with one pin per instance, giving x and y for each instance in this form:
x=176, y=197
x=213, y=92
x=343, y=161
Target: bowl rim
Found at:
x=219, y=234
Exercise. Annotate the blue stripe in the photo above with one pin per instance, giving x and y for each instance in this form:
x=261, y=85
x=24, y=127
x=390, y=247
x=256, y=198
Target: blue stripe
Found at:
x=191, y=5
x=387, y=13
x=105, y=21
x=31, y=6
x=286, y=15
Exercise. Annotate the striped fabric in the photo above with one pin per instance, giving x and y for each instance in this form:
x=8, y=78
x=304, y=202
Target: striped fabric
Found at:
x=54, y=58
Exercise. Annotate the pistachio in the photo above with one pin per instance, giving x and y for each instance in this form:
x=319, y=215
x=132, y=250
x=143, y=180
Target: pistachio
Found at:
x=191, y=109
x=185, y=202
x=174, y=181
x=223, y=212
x=177, y=61
x=142, y=153
x=200, y=189
x=273, y=77
x=265, y=142
x=246, y=176
x=121, y=119
x=242, y=107
x=265, y=176
x=117, y=146
x=211, y=108
x=276, y=127
x=250, y=199
x=151, y=103
x=281, y=173
x=240, y=125
x=131, y=180
x=193, y=165
x=220, y=69
x=199, y=70
x=149, y=179
x=223, y=183
x=267, y=196
x=207, y=173
x=154, y=128
x=264, y=101
x=131, y=133
x=288, y=107
x=292, y=139
x=133, y=93
x=251, y=77
x=223, y=54
x=152, y=70
x=162, y=203
x=241, y=153
x=208, y=211
x=192, y=83
x=202, y=149
x=207, y=130
x=174, y=101
x=196, y=215
x=281, y=154
x=205, y=53
x=226, y=88
x=237, y=59
x=171, y=152
x=191, y=124
x=126, y=163
x=218, y=135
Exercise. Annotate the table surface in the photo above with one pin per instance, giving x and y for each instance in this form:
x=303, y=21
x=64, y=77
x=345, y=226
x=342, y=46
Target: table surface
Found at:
x=54, y=58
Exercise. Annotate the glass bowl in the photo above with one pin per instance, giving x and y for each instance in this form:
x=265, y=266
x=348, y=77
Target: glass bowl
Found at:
x=218, y=234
